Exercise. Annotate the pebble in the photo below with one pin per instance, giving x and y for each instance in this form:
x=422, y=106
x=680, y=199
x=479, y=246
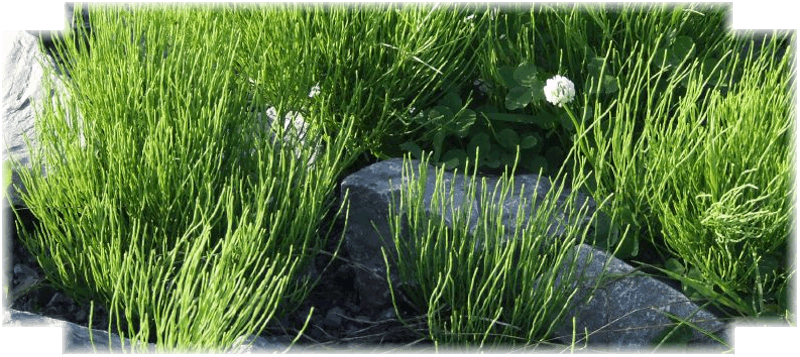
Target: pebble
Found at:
x=23, y=271
x=333, y=318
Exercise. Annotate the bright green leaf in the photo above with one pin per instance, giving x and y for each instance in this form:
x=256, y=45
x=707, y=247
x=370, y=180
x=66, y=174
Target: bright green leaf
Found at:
x=6, y=173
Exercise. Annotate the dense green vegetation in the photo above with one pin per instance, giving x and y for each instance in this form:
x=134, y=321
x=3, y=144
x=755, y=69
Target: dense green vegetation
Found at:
x=170, y=201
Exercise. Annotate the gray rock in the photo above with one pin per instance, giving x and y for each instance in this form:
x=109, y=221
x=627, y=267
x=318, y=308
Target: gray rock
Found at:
x=626, y=311
x=333, y=319
x=22, y=77
x=25, y=278
x=23, y=85
x=523, y=189
x=370, y=194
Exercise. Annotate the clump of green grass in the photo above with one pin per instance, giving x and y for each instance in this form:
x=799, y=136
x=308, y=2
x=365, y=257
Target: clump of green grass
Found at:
x=487, y=287
x=371, y=62
x=698, y=155
x=160, y=203
x=156, y=201
x=726, y=206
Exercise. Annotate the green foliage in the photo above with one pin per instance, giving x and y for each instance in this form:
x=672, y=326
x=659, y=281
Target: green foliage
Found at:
x=737, y=212
x=159, y=203
x=372, y=62
x=162, y=205
x=719, y=209
x=6, y=173
x=490, y=286
x=456, y=131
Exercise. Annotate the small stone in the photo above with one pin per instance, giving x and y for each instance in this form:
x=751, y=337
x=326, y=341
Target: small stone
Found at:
x=81, y=315
x=23, y=272
x=333, y=318
x=387, y=314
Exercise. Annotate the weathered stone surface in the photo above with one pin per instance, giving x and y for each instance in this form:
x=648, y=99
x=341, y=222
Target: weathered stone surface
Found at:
x=370, y=194
x=22, y=77
x=525, y=187
x=626, y=312
x=23, y=86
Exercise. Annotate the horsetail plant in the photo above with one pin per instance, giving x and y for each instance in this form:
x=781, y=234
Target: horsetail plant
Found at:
x=156, y=202
x=471, y=275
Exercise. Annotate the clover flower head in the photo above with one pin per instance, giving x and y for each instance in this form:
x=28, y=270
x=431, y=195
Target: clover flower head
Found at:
x=314, y=91
x=559, y=90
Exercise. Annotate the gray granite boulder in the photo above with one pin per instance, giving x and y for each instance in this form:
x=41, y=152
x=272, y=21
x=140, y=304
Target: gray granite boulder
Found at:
x=372, y=189
x=23, y=86
x=628, y=310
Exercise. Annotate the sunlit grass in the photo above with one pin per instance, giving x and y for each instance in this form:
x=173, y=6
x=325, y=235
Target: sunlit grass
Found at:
x=156, y=203
x=699, y=158
x=161, y=204
x=480, y=283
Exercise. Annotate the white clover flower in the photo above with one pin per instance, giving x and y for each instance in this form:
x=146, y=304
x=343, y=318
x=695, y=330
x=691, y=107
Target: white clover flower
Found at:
x=314, y=91
x=559, y=91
